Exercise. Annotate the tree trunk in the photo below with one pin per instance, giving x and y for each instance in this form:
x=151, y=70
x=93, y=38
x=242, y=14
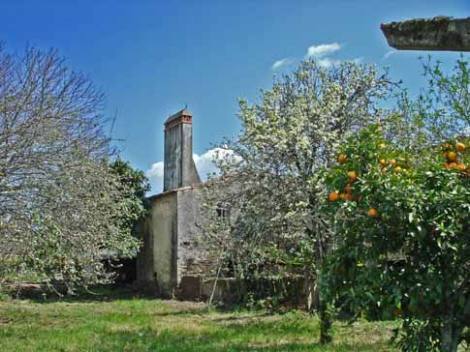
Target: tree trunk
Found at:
x=325, y=324
x=315, y=300
x=324, y=312
x=450, y=336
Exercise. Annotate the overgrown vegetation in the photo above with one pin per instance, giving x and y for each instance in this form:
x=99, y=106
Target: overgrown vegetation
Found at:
x=63, y=208
x=400, y=203
x=402, y=220
x=137, y=325
x=270, y=175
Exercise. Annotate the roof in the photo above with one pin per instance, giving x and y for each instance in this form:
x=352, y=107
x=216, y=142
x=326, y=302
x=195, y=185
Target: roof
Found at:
x=183, y=112
x=438, y=33
x=157, y=196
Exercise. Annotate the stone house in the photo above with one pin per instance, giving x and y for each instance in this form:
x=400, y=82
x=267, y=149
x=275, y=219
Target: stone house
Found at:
x=173, y=261
x=171, y=254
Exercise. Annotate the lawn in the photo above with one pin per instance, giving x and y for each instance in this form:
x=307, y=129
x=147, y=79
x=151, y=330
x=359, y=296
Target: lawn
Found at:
x=138, y=324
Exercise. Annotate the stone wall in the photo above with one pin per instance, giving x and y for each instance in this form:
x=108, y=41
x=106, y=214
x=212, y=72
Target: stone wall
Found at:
x=156, y=264
x=172, y=247
x=193, y=259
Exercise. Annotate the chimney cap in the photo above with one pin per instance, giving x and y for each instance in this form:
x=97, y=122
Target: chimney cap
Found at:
x=183, y=112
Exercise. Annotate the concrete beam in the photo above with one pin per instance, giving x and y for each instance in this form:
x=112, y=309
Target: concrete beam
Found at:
x=438, y=33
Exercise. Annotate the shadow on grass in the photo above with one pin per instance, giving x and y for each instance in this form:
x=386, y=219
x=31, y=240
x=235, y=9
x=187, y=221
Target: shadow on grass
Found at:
x=110, y=293
x=103, y=293
x=234, y=338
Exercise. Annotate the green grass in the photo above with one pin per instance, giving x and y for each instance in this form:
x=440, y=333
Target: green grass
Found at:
x=136, y=324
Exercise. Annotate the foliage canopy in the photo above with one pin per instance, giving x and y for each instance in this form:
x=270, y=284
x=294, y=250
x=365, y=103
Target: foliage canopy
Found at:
x=60, y=201
x=411, y=254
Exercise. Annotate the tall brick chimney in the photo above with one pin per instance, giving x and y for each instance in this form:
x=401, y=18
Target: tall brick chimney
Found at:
x=179, y=167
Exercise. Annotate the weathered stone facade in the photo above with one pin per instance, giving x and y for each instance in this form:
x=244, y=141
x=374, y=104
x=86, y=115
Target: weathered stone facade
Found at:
x=438, y=33
x=169, y=233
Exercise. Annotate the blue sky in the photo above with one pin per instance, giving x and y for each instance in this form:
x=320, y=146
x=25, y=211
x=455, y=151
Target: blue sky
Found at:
x=153, y=57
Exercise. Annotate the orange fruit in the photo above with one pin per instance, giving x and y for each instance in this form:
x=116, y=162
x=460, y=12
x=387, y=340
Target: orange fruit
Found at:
x=383, y=162
x=382, y=145
x=452, y=156
x=397, y=169
x=352, y=175
x=333, y=196
x=460, y=167
x=392, y=162
x=342, y=158
x=460, y=146
x=372, y=212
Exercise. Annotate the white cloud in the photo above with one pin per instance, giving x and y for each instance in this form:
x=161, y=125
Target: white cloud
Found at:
x=281, y=63
x=322, y=50
x=322, y=53
x=155, y=176
x=204, y=164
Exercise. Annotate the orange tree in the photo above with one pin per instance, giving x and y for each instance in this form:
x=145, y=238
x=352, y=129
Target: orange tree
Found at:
x=402, y=246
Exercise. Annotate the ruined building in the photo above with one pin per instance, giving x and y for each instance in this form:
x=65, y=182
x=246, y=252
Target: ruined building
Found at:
x=173, y=261
x=171, y=253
